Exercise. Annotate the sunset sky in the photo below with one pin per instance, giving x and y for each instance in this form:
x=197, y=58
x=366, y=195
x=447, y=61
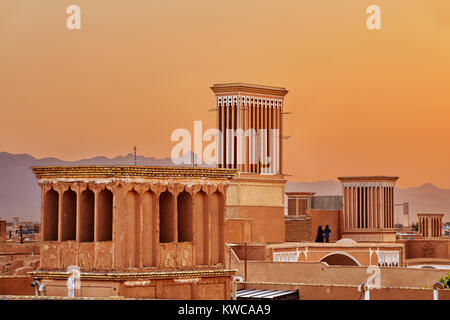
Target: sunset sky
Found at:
x=363, y=102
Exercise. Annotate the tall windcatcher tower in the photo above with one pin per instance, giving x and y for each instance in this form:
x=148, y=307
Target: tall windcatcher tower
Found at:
x=250, y=119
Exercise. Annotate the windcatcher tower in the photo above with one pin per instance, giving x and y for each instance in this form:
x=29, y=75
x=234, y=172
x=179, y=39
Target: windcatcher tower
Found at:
x=430, y=225
x=368, y=208
x=250, y=119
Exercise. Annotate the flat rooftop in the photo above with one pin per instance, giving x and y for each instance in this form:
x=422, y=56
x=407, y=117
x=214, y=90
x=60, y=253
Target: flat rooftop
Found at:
x=293, y=245
x=368, y=178
x=248, y=88
x=65, y=172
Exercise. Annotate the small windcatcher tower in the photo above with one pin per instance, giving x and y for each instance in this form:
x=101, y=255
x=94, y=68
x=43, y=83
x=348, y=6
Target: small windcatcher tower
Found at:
x=430, y=225
x=368, y=208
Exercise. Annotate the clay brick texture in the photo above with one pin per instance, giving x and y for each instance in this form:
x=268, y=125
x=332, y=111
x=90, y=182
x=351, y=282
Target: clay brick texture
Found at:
x=298, y=230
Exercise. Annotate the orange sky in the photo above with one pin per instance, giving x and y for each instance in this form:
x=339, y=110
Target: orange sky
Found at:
x=363, y=102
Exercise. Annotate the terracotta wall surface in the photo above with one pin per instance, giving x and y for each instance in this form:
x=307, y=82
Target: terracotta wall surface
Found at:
x=267, y=223
x=319, y=273
x=371, y=235
x=190, y=289
x=329, y=292
x=2, y=231
x=259, y=198
x=238, y=230
x=253, y=252
x=298, y=229
x=360, y=253
x=211, y=288
x=364, y=254
x=323, y=218
x=305, y=228
x=427, y=248
x=16, y=285
x=26, y=247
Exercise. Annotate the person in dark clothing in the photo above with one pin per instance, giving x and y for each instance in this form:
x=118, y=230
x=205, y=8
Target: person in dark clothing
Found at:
x=326, y=233
x=319, y=237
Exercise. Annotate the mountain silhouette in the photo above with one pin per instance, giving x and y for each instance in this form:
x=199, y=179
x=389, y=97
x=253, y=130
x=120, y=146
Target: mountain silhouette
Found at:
x=20, y=195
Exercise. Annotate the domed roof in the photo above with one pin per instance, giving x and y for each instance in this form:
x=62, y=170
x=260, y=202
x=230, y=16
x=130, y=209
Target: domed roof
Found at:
x=346, y=240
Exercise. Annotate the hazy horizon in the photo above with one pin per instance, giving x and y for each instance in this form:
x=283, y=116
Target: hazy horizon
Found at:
x=130, y=154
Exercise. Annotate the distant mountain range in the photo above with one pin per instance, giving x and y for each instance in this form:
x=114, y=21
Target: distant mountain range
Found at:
x=20, y=194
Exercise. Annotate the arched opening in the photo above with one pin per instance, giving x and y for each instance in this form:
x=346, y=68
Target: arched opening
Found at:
x=104, y=215
x=50, y=216
x=340, y=259
x=184, y=210
x=69, y=216
x=87, y=200
x=167, y=219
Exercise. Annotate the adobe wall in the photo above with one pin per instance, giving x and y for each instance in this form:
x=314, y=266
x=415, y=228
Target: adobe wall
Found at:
x=16, y=285
x=427, y=248
x=259, y=199
x=371, y=235
x=17, y=258
x=26, y=247
x=190, y=288
x=319, y=273
x=323, y=218
x=2, y=231
x=298, y=229
x=238, y=230
x=330, y=292
x=363, y=254
x=267, y=224
x=253, y=252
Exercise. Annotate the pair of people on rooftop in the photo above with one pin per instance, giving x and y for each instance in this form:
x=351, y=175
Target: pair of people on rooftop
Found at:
x=323, y=234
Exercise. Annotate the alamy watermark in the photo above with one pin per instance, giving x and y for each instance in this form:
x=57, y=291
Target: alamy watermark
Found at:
x=374, y=280
x=73, y=21
x=234, y=146
x=373, y=22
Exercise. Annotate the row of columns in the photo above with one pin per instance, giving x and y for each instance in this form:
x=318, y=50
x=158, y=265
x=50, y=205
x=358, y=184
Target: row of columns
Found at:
x=76, y=212
x=367, y=206
x=430, y=227
x=148, y=225
x=251, y=130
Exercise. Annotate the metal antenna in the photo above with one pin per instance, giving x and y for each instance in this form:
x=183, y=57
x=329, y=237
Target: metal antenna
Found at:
x=134, y=148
